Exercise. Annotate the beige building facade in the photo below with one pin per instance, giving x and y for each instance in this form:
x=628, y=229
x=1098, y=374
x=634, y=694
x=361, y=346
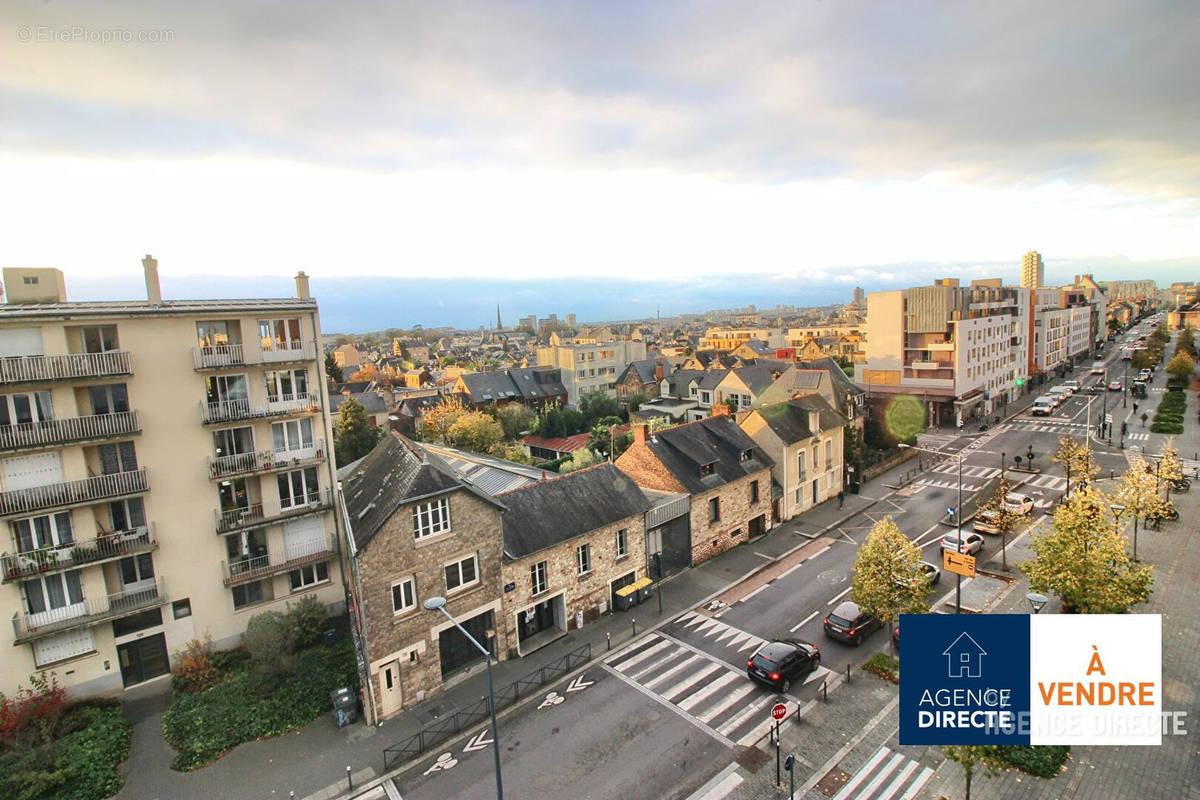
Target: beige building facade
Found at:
x=590, y=367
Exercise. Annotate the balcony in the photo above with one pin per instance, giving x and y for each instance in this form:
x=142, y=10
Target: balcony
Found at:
x=256, y=515
x=73, y=366
x=223, y=356
x=88, y=612
x=74, y=493
x=68, y=430
x=266, y=461
x=80, y=553
x=249, y=569
x=237, y=410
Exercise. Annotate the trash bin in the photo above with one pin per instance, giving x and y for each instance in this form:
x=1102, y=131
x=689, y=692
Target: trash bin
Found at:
x=644, y=589
x=626, y=597
x=330, y=636
x=854, y=487
x=345, y=706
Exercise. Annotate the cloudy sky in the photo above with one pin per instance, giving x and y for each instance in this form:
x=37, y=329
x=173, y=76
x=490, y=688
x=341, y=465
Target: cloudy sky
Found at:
x=822, y=143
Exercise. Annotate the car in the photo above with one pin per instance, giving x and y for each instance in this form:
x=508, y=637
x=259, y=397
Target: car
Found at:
x=1115, y=386
x=962, y=542
x=1097, y=367
x=986, y=522
x=931, y=572
x=896, y=636
x=1145, y=374
x=776, y=664
x=847, y=623
x=1071, y=386
x=1017, y=503
x=1043, y=406
x=1138, y=389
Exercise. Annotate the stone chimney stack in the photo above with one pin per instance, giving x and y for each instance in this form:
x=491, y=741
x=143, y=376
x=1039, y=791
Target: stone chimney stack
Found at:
x=658, y=370
x=640, y=432
x=814, y=421
x=721, y=410
x=153, y=290
x=302, y=286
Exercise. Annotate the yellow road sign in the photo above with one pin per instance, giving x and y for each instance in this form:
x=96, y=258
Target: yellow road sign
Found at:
x=959, y=563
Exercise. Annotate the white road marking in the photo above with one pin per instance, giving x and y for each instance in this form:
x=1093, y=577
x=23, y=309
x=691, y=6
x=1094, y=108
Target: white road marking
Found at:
x=922, y=779
x=764, y=555
x=861, y=775
x=840, y=595
x=690, y=662
x=672, y=707
x=751, y=594
x=802, y=622
x=642, y=656
x=814, y=555
x=729, y=702
x=699, y=697
x=789, y=571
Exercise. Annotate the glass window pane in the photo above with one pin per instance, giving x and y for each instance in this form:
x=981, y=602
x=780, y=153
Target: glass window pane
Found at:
x=74, y=587
x=145, y=565
x=22, y=409
x=34, y=597
x=55, y=596
x=468, y=570
x=5, y=419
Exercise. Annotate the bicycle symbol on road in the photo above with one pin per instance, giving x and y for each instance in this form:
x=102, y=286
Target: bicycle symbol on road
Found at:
x=552, y=699
x=444, y=762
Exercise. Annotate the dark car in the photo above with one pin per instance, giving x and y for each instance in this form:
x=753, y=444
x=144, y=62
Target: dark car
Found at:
x=776, y=664
x=847, y=623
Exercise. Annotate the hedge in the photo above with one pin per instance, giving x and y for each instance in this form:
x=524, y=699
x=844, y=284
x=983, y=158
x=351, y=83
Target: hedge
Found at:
x=1043, y=761
x=246, y=706
x=86, y=759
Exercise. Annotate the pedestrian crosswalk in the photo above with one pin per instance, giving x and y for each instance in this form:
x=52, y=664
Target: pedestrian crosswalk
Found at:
x=886, y=776
x=945, y=476
x=1047, y=425
x=719, y=632
x=1138, y=437
x=700, y=686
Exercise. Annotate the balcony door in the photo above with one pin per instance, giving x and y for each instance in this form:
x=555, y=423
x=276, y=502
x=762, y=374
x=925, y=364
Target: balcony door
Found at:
x=127, y=515
x=137, y=573
x=100, y=339
x=47, y=530
x=297, y=488
x=24, y=408
x=286, y=385
x=53, y=598
x=229, y=393
x=279, y=336
x=117, y=458
x=111, y=398
x=291, y=436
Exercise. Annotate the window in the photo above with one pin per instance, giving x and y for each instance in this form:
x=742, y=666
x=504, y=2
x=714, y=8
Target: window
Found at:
x=309, y=575
x=116, y=458
x=29, y=281
x=43, y=531
x=137, y=572
x=753, y=491
x=295, y=434
x=404, y=596
x=217, y=333
x=461, y=573
x=137, y=622
x=622, y=542
x=828, y=453
x=53, y=592
x=706, y=469
x=288, y=384
x=228, y=394
x=298, y=488
x=816, y=457
x=714, y=509
x=279, y=334
x=182, y=608
x=537, y=577
x=431, y=518
x=744, y=455
x=100, y=339
x=583, y=559
x=801, y=467
x=127, y=515
x=233, y=441
x=24, y=408
x=248, y=594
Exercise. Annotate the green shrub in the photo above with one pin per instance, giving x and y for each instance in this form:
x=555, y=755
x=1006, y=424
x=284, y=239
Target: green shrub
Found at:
x=271, y=643
x=1160, y=427
x=884, y=666
x=83, y=764
x=1044, y=761
x=248, y=705
x=307, y=618
x=227, y=661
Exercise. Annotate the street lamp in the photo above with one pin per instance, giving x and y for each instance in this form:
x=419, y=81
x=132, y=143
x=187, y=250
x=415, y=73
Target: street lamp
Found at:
x=1037, y=601
x=439, y=604
x=958, y=514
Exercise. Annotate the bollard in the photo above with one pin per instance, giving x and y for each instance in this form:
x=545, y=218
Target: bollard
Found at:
x=634, y=621
x=292, y=795
x=847, y=673
x=608, y=641
x=825, y=689
x=349, y=780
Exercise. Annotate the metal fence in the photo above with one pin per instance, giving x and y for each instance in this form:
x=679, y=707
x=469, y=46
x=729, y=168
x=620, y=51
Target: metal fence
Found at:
x=440, y=730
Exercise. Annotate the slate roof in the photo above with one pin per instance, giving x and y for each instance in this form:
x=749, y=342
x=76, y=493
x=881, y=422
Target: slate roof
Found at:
x=394, y=473
x=757, y=378
x=677, y=382
x=371, y=401
x=711, y=378
x=487, y=473
x=353, y=387
x=644, y=369
x=760, y=347
x=538, y=383
x=551, y=512
x=485, y=387
x=789, y=420
x=712, y=440
x=842, y=383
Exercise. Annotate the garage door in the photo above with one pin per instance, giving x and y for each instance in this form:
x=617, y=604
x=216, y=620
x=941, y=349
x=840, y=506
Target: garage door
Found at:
x=15, y=342
x=303, y=537
x=24, y=472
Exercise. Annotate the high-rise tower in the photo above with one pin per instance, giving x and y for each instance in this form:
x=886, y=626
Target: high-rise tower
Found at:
x=1032, y=270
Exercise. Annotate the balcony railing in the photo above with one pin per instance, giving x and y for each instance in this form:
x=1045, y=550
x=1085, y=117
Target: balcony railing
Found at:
x=266, y=461
x=280, y=405
x=106, y=547
x=220, y=356
x=254, y=567
x=256, y=514
x=89, y=611
x=72, y=493
x=28, y=369
x=68, y=429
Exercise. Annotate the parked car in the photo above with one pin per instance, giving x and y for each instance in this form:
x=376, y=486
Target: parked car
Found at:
x=1071, y=386
x=1059, y=394
x=1115, y=386
x=986, y=522
x=1017, y=503
x=1097, y=367
x=776, y=664
x=931, y=572
x=1043, y=406
x=847, y=623
x=961, y=542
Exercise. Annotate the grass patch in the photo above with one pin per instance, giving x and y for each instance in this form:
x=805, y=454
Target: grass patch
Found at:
x=83, y=763
x=1044, y=761
x=884, y=666
x=248, y=705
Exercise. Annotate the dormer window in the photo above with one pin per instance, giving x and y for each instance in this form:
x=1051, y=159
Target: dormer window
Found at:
x=745, y=455
x=706, y=469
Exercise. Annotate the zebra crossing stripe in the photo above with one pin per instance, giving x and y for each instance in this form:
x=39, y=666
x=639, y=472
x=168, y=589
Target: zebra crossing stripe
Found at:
x=653, y=665
x=681, y=688
x=686, y=664
x=726, y=704
x=699, y=697
x=922, y=779
x=895, y=785
x=642, y=656
x=895, y=761
x=740, y=719
x=861, y=775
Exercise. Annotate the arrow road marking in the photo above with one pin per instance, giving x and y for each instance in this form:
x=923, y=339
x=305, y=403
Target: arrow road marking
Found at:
x=552, y=699
x=577, y=685
x=478, y=742
x=444, y=761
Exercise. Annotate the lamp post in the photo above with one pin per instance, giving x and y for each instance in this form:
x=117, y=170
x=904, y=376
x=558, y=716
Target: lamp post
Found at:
x=1037, y=601
x=958, y=519
x=439, y=604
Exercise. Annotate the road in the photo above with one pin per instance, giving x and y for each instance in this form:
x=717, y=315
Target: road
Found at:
x=673, y=708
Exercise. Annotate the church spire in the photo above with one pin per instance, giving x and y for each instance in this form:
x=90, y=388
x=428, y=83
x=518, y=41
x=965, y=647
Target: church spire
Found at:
x=499, y=326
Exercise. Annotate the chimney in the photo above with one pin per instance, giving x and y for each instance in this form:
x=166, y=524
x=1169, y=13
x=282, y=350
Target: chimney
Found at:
x=814, y=421
x=720, y=410
x=658, y=370
x=639, y=433
x=302, y=286
x=153, y=290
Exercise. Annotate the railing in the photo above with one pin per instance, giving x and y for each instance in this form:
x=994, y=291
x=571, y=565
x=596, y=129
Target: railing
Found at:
x=256, y=514
x=25, y=369
x=234, y=410
x=250, y=568
x=89, y=611
x=246, y=463
x=291, y=403
x=237, y=354
x=68, y=429
x=218, y=355
x=290, y=351
x=82, y=552
x=69, y=493
x=442, y=729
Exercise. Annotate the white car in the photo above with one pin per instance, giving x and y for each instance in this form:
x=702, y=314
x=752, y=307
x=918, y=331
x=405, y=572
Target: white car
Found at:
x=960, y=542
x=1017, y=503
x=1072, y=386
x=1043, y=406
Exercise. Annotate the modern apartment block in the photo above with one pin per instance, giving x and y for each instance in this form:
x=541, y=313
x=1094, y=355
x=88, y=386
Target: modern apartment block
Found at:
x=588, y=367
x=165, y=474
x=960, y=350
x=1033, y=271
x=1065, y=325
x=730, y=338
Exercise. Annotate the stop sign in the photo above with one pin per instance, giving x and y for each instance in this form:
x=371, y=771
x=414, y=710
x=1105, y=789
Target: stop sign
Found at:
x=778, y=711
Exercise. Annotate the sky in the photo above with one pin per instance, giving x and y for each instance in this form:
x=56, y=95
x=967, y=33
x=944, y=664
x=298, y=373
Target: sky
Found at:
x=680, y=152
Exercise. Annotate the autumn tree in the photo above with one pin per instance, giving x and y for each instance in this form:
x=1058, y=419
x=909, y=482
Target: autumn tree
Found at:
x=887, y=575
x=1137, y=493
x=1084, y=559
x=353, y=433
x=581, y=459
x=1170, y=468
x=1002, y=518
x=437, y=420
x=475, y=431
x=970, y=756
x=515, y=419
x=1181, y=366
x=1076, y=459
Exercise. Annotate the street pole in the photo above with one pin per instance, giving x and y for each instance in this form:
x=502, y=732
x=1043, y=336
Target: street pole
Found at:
x=958, y=513
x=778, y=773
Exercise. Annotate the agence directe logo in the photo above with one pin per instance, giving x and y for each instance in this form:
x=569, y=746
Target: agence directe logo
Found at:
x=1019, y=679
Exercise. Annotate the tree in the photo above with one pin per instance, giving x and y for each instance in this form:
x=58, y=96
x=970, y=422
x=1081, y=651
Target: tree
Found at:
x=1181, y=366
x=687, y=351
x=353, y=434
x=1076, y=458
x=271, y=642
x=1003, y=519
x=604, y=442
x=475, y=431
x=635, y=401
x=1170, y=468
x=1114, y=325
x=596, y=404
x=972, y=755
x=510, y=451
x=332, y=370
x=437, y=420
x=515, y=419
x=887, y=575
x=1138, y=493
x=1084, y=559
x=555, y=422
x=581, y=459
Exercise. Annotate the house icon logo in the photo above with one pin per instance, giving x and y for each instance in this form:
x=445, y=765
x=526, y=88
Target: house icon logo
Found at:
x=964, y=657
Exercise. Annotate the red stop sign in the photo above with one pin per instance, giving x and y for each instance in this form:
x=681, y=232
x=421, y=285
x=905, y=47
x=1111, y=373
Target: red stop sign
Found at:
x=778, y=711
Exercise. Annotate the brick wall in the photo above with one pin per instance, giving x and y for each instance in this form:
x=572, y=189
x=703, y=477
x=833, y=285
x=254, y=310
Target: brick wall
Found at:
x=646, y=470
x=709, y=539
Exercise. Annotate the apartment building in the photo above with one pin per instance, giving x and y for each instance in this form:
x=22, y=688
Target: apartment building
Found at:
x=1064, y=326
x=164, y=474
x=960, y=350
x=1033, y=271
x=590, y=367
x=730, y=338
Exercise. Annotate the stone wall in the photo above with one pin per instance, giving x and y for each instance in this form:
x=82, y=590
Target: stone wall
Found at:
x=709, y=539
